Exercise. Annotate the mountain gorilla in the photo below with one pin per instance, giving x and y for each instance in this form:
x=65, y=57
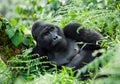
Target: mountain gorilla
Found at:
x=59, y=45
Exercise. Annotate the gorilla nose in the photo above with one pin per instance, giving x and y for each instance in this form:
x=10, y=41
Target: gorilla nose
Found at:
x=56, y=37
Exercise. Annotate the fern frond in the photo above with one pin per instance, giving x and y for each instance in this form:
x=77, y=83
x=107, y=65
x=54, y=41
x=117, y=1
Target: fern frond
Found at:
x=112, y=69
x=98, y=61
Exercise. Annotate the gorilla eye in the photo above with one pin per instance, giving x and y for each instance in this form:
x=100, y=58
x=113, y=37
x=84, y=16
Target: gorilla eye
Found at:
x=46, y=33
x=51, y=29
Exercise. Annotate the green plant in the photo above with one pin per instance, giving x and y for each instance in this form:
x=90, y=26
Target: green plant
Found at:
x=14, y=35
x=29, y=66
x=64, y=76
x=111, y=69
x=5, y=74
x=102, y=15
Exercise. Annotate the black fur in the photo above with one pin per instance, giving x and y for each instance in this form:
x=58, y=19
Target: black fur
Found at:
x=59, y=45
x=84, y=34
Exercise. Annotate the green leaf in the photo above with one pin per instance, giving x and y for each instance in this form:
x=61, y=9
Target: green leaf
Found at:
x=2, y=66
x=10, y=31
x=0, y=24
x=17, y=38
x=5, y=74
x=13, y=21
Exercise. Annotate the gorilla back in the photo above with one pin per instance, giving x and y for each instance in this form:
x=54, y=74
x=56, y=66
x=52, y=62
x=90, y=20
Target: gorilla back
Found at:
x=61, y=48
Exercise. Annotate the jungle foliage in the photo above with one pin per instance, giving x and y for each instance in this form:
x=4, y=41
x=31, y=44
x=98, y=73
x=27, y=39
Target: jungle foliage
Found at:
x=17, y=66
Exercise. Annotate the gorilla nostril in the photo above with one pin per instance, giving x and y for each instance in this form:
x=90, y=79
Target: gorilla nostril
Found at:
x=55, y=37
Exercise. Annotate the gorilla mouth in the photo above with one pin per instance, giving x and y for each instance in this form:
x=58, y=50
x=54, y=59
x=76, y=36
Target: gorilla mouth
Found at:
x=56, y=42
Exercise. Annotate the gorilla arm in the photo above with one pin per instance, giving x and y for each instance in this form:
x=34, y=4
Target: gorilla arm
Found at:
x=37, y=50
x=85, y=34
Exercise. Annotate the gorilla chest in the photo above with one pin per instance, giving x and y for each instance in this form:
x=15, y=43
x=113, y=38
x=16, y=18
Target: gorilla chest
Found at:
x=64, y=57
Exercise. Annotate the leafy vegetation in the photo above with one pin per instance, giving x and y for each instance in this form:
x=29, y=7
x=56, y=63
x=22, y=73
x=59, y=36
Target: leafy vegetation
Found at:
x=5, y=74
x=112, y=69
x=17, y=66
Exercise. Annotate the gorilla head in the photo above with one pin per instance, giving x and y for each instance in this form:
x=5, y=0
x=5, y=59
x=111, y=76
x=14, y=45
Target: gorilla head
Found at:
x=48, y=36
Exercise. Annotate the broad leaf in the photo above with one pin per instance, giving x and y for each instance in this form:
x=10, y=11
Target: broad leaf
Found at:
x=10, y=31
x=17, y=38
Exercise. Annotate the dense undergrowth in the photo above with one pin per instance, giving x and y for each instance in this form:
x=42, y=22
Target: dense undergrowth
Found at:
x=17, y=66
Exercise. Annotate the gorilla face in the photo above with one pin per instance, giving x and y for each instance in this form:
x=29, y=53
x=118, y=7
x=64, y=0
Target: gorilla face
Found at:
x=49, y=36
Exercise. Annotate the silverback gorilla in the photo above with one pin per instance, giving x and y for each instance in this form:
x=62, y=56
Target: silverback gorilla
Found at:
x=59, y=45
